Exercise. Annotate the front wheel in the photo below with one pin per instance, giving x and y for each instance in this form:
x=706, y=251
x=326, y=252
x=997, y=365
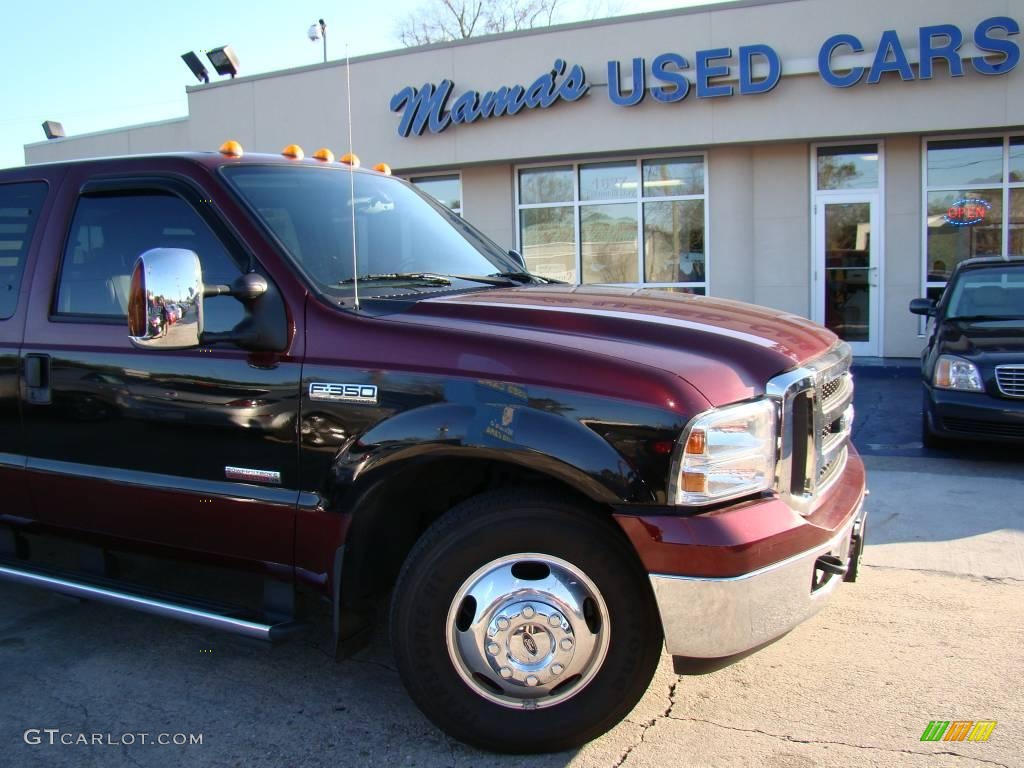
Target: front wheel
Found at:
x=521, y=623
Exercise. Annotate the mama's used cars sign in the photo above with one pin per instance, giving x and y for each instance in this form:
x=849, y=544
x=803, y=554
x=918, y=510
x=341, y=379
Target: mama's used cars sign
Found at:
x=431, y=106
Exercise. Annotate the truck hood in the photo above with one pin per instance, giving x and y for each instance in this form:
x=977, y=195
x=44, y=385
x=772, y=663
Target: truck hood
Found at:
x=726, y=349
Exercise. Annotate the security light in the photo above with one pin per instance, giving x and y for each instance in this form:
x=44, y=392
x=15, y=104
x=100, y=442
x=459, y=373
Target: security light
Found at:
x=53, y=129
x=197, y=67
x=224, y=60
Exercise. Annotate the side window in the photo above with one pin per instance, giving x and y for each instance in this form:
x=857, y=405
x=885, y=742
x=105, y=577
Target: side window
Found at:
x=19, y=212
x=110, y=231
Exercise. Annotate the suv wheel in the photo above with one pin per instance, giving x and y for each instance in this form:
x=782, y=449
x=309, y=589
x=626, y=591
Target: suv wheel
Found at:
x=521, y=623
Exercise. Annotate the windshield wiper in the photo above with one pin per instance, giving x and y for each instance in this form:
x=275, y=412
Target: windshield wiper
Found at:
x=424, y=277
x=431, y=277
x=970, y=318
x=524, y=277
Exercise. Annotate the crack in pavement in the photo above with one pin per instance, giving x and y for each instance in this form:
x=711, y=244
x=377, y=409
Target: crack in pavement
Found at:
x=952, y=574
x=795, y=740
x=644, y=727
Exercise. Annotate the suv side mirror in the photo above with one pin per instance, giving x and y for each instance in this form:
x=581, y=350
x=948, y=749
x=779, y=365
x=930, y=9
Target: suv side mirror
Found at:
x=519, y=259
x=923, y=307
x=165, y=302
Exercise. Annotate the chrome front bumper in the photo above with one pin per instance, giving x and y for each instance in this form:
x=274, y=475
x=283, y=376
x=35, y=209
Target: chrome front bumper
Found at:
x=715, y=618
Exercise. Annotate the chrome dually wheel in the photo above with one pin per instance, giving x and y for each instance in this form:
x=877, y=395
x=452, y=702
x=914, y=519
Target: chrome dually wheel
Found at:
x=528, y=631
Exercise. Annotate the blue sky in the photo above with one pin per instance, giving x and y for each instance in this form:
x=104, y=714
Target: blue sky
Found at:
x=98, y=64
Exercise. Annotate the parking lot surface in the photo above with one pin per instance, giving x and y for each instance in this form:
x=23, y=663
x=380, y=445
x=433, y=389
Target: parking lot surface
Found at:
x=933, y=630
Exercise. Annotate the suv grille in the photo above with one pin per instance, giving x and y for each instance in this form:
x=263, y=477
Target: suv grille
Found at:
x=1010, y=379
x=817, y=416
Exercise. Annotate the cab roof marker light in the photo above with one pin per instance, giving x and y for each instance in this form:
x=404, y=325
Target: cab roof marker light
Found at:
x=231, y=148
x=383, y=168
x=350, y=158
x=324, y=154
x=294, y=151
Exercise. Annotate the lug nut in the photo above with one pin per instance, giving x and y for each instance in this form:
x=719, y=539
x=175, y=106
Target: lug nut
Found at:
x=557, y=669
x=532, y=680
x=492, y=648
x=528, y=612
x=566, y=644
x=505, y=672
x=554, y=620
x=503, y=623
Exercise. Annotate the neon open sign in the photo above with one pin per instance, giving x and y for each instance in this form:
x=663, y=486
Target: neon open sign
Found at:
x=968, y=211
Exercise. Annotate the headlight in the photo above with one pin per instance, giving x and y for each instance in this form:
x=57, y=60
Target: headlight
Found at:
x=727, y=453
x=956, y=373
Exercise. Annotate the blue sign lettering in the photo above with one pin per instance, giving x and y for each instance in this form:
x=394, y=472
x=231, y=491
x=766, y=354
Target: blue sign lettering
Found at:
x=615, y=87
x=930, y=50
x=989, y=44
x=680, y=86
x=825, y=61
x=427, y=107
x=889, y=45
x=747, y=83
x=705, y=72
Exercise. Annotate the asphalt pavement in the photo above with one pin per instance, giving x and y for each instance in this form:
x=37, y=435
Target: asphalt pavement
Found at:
x=933, y=630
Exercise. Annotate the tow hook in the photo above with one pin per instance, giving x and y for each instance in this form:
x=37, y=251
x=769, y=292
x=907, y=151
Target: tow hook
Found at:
x=830, y=566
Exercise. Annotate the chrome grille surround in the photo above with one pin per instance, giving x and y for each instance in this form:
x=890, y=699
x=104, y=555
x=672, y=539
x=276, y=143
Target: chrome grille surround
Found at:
x=816, y=410
x=1010, y=380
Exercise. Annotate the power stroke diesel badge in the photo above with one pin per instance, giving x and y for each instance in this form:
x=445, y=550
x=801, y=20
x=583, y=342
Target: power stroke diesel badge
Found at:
x=344, y=393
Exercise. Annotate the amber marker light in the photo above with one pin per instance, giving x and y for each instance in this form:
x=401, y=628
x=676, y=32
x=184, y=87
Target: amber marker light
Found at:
x=231, y=148
x=294, y=151
x=695, y=482
x=697, y=442
x=383, y=168
x=324, y=154
x=350, y=159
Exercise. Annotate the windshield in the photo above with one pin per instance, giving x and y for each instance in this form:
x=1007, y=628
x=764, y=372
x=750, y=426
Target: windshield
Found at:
x=996, y=292
x=398, y=231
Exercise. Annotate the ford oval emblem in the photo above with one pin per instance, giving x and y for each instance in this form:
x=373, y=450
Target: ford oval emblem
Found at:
x=968, y=211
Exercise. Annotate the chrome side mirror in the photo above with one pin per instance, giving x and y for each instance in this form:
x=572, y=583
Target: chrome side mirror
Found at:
x=165, y=303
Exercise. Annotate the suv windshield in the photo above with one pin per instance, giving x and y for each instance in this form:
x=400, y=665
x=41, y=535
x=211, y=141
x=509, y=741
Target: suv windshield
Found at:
x=399, y=232
x=993, y=292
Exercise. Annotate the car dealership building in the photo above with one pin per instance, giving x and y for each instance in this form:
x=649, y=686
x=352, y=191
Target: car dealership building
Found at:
x=828, y=158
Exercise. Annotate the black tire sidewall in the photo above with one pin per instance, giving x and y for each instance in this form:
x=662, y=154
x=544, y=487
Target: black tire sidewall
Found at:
x=485, y=530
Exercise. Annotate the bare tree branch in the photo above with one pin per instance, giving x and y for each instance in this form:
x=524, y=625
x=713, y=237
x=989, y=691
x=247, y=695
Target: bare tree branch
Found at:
x=441, y=20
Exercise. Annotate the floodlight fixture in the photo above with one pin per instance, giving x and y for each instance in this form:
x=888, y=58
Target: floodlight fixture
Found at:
x=53, y=129
x=224, y=60
x=197, y=67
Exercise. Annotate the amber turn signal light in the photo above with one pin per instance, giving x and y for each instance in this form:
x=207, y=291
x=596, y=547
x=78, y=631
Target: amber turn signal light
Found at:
x=697, y=442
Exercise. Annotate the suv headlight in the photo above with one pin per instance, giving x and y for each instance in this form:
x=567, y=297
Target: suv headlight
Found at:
x=726, y=453
x=956, y=373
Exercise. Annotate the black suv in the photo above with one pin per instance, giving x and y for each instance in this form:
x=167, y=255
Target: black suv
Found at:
x=973, y=363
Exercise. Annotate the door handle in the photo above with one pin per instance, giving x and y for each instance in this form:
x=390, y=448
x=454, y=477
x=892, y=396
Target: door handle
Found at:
x=37, y=379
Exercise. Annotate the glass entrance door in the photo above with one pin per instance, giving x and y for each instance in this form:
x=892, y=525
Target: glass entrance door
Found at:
x=846, y=284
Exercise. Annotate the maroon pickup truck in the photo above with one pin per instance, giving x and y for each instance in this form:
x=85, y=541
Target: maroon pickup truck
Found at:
x=319, y=381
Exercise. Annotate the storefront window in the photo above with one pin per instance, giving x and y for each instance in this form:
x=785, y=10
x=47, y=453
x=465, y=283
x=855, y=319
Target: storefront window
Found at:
x=447, y=190
x=974, y=201
x=848, y=167
x=621, y=222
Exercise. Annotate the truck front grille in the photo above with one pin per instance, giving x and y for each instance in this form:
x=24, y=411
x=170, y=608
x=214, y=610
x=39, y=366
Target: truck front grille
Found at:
x=816, y=406
x=1010, y=379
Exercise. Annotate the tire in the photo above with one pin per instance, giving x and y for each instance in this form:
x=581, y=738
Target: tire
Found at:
x=928, y=438
x=545, y=572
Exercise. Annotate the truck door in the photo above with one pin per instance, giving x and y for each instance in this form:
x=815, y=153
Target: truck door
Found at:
x=20, y=205
x=193, y=449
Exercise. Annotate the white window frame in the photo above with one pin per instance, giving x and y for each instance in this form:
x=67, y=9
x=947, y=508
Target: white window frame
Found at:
x=1005, y=186
x=412, y=178
x=817, y=282
x=576, y=204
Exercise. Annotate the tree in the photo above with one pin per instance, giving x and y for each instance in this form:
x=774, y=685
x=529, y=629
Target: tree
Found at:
x=442, y=20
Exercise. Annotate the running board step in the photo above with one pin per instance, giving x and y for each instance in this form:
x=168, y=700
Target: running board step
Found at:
x=148, y=604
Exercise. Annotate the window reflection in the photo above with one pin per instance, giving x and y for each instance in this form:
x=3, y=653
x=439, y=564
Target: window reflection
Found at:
x=963, y=162
x=850, y=167
x=674, y=241
x=548, y=241
x=609, y=243
x=608, y=181
x=545, y=185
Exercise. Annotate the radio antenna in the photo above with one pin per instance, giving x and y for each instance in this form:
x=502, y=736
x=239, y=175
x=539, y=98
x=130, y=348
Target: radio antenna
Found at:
x=352, y=182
